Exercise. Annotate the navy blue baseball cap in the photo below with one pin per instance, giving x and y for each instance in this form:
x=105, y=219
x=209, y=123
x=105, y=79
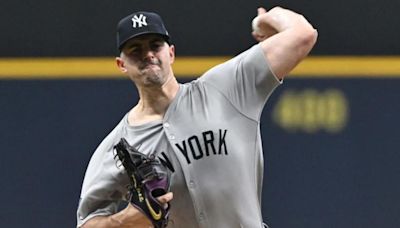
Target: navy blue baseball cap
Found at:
x=140, y=23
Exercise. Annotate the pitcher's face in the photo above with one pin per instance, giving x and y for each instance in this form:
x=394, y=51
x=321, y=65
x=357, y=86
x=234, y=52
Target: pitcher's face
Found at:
x=147, y=60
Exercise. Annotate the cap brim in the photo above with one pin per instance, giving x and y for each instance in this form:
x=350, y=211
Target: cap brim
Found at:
x=166, y=38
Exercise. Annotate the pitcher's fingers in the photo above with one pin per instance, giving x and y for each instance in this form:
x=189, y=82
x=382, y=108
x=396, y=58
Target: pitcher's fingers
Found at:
x=261, y=10
x=258, y=37
x=165, y=198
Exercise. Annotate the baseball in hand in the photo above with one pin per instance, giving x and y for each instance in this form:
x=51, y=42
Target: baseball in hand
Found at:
x=261, y=27
x=256, y=26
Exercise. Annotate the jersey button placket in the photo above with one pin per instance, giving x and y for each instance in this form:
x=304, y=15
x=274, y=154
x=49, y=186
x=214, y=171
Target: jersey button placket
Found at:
x=201, y=216
x=166, y=127
x=192, y=184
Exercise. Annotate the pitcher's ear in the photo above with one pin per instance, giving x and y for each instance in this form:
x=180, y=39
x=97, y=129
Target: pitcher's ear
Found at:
x=120, y=64
x=172, y=53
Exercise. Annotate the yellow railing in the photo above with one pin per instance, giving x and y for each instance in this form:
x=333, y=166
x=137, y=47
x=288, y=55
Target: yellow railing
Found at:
x=104, y=67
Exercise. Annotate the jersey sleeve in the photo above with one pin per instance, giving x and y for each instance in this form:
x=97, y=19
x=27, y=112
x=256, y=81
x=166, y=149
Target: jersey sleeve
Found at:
x=104, y=185
x=245, y=80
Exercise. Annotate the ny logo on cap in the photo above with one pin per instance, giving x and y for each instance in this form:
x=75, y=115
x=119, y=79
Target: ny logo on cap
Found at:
x=139, y=21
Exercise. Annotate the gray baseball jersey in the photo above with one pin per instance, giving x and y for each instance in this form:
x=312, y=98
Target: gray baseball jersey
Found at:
x=210, y=136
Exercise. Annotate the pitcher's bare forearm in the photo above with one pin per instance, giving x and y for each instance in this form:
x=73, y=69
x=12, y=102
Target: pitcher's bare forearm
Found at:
x=127, y=218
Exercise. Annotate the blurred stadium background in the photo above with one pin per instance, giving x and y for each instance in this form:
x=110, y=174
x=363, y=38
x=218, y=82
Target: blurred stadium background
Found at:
x=330, y=133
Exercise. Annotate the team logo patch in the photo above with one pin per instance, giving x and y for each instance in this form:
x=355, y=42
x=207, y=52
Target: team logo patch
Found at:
x=139, y=21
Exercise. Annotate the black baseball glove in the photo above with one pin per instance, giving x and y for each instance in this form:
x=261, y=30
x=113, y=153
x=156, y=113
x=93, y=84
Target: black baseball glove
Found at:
x=148, y=179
